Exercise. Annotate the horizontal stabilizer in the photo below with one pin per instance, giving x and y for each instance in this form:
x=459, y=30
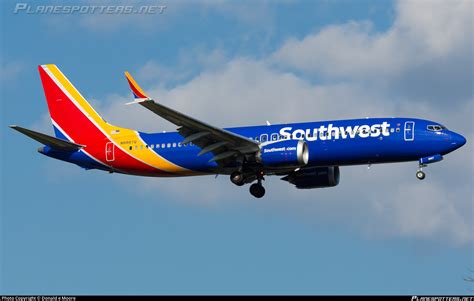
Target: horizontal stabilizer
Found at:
x=50, y=141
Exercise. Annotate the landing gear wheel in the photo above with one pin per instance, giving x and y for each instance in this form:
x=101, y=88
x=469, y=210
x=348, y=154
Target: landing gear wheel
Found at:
x=257, y=190
x=237, y=178
x=420, y=175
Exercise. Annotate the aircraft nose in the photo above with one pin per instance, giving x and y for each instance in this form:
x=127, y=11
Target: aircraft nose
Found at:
x=457, y=140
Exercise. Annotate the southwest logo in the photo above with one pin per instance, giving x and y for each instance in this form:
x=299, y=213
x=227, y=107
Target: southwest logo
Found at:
x=332, y=132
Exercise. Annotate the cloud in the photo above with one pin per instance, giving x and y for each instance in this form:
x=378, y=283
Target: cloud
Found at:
x=253, y=89
x=190, y=62
x=425, y=54
x=422, y=211
x=422, y=32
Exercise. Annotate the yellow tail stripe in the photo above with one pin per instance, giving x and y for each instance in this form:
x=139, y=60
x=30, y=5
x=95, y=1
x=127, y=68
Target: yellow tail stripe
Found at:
x=146, y=155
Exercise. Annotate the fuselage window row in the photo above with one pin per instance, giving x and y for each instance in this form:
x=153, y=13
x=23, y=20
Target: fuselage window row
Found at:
x=163, y=145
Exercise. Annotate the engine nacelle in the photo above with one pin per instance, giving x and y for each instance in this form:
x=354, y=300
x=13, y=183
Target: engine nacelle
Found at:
x=286, y=153
x=317, y=177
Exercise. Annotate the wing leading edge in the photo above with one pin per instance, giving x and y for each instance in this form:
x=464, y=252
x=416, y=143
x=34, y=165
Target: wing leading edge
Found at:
x=224, y=145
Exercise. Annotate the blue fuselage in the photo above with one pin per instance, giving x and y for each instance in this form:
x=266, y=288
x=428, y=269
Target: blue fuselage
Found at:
x=341, y=142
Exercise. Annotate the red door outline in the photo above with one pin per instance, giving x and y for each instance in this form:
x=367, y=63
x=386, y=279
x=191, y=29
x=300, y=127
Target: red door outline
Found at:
x=109, y=151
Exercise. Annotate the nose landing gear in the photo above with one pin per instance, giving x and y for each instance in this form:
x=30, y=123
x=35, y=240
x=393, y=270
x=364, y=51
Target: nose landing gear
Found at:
x=420, y=174
x=422, y=162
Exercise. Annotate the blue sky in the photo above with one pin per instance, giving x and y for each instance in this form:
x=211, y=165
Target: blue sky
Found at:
x=69, y=231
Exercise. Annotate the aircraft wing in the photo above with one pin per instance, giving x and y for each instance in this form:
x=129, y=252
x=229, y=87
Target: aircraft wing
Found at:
x=223, y=144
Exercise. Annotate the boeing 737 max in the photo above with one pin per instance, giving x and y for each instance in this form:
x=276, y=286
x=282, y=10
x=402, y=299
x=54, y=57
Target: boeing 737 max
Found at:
x=307, y=155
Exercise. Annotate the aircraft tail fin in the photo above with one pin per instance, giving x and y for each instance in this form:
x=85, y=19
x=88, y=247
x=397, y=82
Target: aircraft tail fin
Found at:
x=72, y=116
x=50, y=141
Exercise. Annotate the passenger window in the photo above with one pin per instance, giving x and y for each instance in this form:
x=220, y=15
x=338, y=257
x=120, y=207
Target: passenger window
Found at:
x=392, y=130
x=130, y=148
x=398, y=130
x=152, y=146
x=174, y=144
x=263, y=138
x=168, y=145
x=274, y=137
x=136, y=147
x=163, y=145
x=179, y=144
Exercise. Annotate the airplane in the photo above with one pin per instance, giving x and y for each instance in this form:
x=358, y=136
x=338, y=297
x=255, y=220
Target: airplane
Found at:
x=307, y=155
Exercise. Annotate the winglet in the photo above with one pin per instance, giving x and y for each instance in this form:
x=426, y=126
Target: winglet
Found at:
x=138, y=93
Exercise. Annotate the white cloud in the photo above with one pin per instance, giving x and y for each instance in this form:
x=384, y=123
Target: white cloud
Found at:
x=422, y=210
x=189, y=62
x=250, y=88
x=422, y=32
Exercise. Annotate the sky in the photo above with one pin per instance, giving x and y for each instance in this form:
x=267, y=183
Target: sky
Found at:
x=65, y=230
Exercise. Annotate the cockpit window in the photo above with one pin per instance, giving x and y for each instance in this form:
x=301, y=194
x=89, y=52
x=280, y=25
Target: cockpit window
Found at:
x=436, y=127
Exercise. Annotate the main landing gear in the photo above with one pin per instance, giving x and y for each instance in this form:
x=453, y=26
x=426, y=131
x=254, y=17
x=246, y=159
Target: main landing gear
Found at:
x=237, y=178
x=420, y=174
x=256, y=189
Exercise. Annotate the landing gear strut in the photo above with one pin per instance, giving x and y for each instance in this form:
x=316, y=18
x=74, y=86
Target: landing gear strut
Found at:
x=257, y=189
x=420, y=173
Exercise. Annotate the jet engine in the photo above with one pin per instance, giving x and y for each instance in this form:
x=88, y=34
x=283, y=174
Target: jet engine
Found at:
x=284, y=154
x=318, y=177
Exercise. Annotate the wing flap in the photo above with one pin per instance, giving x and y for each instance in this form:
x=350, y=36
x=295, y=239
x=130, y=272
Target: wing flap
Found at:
x=50, y=141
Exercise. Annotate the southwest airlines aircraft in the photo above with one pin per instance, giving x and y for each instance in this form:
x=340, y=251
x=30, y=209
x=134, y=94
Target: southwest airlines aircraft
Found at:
x=307, y=155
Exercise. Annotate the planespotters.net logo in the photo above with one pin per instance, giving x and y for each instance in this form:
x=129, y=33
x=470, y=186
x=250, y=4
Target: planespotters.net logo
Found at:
x=416, y=298
x=26, y=8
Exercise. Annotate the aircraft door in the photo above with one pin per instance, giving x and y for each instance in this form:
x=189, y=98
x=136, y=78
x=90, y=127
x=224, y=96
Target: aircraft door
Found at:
x=409, y=131
x=109, y=151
